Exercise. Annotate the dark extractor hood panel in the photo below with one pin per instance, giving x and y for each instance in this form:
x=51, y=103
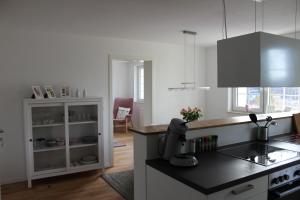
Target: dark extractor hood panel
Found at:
x=259, y=60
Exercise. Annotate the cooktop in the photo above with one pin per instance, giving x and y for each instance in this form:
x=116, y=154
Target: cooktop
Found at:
x=260, y=153
x=293, y=139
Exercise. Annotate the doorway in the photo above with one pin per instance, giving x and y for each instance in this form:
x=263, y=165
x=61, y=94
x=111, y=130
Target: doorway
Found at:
x=130, y=106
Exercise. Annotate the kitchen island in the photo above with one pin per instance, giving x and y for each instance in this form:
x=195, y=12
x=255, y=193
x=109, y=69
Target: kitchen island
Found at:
x=217, y=177
x=230, y=131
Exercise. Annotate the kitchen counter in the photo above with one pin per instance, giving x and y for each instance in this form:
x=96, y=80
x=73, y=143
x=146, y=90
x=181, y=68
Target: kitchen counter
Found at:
x=146, y=143
x=202, y=124
x=216, y=171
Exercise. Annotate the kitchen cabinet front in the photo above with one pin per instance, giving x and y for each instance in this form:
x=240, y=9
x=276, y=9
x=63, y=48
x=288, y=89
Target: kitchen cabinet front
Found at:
x=162, y=187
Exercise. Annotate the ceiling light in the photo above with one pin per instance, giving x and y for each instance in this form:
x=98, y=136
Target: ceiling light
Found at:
x=259, y=1
x=189, y=77
x=258, y=59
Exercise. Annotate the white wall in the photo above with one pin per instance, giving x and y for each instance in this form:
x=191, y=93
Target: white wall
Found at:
x=37, y=58
x=138, y=114
x=216, y=98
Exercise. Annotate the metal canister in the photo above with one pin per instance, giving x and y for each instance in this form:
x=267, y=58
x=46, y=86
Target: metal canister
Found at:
x=262, y=133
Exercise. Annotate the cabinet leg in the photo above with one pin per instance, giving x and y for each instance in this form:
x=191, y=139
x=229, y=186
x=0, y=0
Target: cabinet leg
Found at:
x=29, y=183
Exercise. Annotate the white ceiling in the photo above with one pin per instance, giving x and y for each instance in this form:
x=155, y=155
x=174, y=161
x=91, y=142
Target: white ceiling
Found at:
x=150, y=20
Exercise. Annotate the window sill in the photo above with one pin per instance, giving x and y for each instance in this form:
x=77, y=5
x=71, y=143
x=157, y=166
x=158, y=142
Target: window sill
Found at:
x=243, y=113
x=139, y=102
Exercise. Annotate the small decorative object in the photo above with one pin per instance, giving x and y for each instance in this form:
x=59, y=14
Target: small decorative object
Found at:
x=205, y=143
x=190, y=114
x=37, y=92
x=50, y=92
x=78, y=94
x=65, y=91
x=60, y=142
x=84, y=93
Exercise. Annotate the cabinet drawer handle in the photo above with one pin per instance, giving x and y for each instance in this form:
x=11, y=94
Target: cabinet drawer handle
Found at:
x=288, y=192
x=242, y=189
x=30, y=140
x=99, y=133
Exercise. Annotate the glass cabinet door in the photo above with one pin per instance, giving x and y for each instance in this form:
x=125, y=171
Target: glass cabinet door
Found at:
x=48, y=138
x=83, y=126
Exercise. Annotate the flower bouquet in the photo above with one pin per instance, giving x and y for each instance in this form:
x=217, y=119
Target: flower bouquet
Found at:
x=190, y=114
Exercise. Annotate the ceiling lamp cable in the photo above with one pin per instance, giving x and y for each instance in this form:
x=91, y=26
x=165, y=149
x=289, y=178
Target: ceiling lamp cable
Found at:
x=296, y=13
x=194, y=64
x=184, y=54
x=225, y=18
x=223, y=33
x=255, y=16
x=262, y=15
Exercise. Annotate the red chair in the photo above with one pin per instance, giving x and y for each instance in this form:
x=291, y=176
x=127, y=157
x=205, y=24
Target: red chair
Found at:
x=126, y=103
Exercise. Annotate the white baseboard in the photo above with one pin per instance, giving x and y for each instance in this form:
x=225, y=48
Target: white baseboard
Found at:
x=11, y=181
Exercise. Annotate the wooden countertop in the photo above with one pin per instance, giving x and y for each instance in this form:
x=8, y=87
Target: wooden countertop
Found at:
x=202, y=124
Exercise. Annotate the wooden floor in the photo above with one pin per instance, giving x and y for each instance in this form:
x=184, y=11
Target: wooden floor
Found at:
x=83, y=186
x=123, y=156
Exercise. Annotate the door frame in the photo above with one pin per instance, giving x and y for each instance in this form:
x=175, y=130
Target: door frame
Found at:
x=112, y=57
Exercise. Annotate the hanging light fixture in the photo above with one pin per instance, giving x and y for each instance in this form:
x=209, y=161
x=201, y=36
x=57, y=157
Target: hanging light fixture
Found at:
x=189, y=80
x=258, y=59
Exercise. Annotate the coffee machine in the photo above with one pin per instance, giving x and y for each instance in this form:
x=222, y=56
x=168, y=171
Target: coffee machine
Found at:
x=171, y=143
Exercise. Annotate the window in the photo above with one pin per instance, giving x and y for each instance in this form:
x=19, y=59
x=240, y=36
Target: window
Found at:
x=283, y=99
x=139, y=84
x=278, y=99
x=247, y=99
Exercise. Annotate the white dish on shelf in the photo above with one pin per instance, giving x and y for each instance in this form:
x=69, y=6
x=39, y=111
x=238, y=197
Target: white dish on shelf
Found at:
x=51, y=142
x=88, y=159
x=60, y=142
x=88, y=162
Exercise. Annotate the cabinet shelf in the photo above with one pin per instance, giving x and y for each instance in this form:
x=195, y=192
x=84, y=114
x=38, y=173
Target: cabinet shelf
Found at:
x=81, y=165
x=49, y=149
x=49, y=170
x=82, y=122
x=48, y=125
x=79, y=145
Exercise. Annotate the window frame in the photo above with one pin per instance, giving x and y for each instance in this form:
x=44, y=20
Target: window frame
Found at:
x=284, y=97
x=138, y=83
x=264, y=104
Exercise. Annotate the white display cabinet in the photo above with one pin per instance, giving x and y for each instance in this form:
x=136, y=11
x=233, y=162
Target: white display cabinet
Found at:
x=62, y=136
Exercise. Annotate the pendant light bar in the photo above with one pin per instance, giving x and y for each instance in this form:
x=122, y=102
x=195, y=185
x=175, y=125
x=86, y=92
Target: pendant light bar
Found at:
x=189, y=32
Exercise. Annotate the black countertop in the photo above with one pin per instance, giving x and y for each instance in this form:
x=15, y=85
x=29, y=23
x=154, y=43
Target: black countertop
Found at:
x=216, y=172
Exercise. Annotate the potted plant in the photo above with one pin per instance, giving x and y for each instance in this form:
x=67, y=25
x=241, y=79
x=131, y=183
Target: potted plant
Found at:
x=190, y=114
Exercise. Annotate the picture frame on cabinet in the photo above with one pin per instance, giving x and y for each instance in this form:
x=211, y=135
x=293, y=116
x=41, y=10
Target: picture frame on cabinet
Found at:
x=65, y=91
x=37, y=92
x=50, y=92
